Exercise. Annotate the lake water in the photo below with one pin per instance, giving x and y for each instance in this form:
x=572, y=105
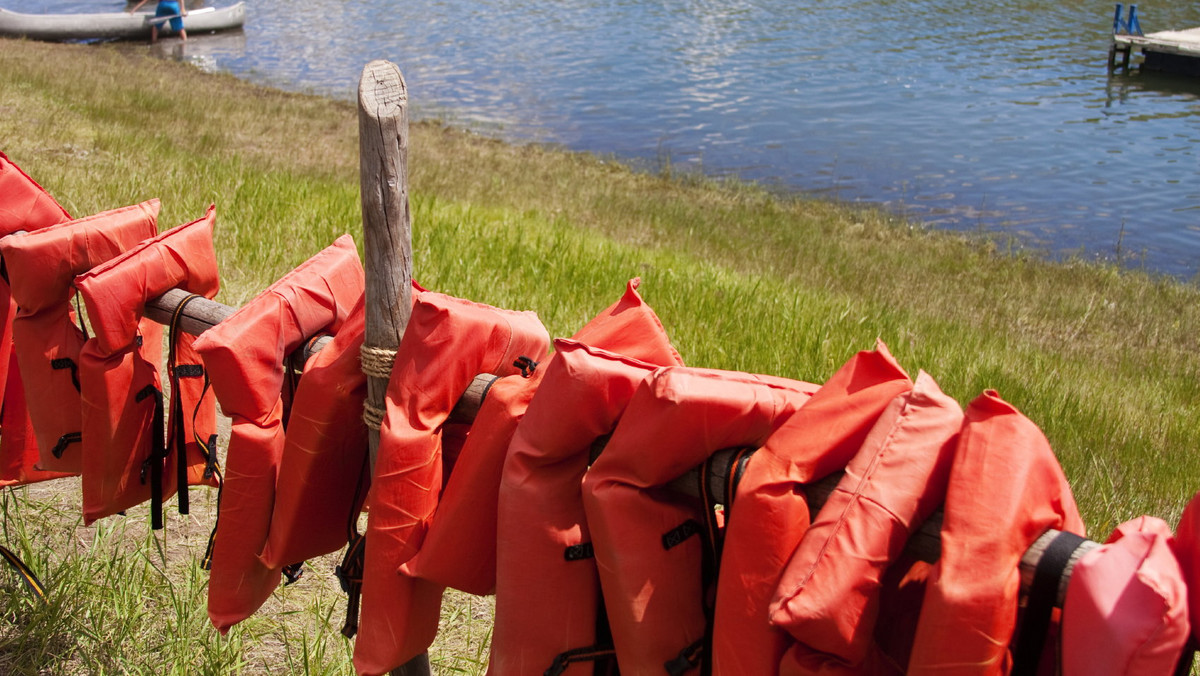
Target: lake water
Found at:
x=994, y=116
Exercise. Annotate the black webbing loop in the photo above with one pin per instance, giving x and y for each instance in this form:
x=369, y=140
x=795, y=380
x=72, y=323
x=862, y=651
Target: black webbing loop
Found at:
x=589, y=654
x=737, y=468
x=687, y=659
x=527, y=366
x=67, y=363
x=65, y=440
x=1042, y=595
x=293, y=572
x=174, y=373
x=158, y=454
x=26, y=574
x=349, y=574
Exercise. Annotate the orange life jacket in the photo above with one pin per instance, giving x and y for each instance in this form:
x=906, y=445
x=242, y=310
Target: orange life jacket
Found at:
x=246, y=357
x=325, y=459
x=24, y=205
x=1187, y=551
x=1126, y=609
x=460, y=548
x=126, y=459
x=1006, y=489
x=447, y=342
x=18, y=452
x=828, y=597
x=644, y=536
x=42, y=266
x=769, y=516
x=547, y=588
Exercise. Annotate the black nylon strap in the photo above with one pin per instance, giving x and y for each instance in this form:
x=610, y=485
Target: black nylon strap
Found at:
x=589, y=654
x=66, y=363
x=1042, y=594
x=158, y=453
x=175, y=371
x=678, y=534
x=65, y=440
x=25, y=572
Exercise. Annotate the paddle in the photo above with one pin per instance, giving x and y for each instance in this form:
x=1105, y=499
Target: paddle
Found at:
x=164, y=19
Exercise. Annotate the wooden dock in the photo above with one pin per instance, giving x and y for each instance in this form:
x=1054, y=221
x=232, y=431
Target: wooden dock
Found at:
x=1167, y=51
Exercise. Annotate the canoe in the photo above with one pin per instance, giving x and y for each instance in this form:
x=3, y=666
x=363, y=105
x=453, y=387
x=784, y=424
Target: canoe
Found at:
x=112, y=25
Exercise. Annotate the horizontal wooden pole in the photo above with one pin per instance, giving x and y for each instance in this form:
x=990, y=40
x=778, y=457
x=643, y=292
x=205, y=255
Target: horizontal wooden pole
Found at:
x=925, y=543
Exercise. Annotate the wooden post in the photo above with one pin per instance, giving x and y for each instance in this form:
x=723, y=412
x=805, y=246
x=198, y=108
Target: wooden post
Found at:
x=387, y=222
x=387, y=244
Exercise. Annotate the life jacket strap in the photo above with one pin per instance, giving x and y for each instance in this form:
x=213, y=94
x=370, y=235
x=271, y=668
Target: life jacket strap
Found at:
x=349, y=575
x=734, y=479
x=688, y=659
x=1042, y=594
x=593, y=653
x=67, y=363
x=175, y=371
x=293, y=572
x=158, y=453
x=65, y=440
x=25, y=573
x=526, y=365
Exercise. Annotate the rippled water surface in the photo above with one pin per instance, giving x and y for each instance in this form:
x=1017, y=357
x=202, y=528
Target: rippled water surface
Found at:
x=970, y=115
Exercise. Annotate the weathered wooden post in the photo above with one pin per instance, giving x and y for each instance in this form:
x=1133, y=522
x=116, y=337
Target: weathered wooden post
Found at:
x=387, y=244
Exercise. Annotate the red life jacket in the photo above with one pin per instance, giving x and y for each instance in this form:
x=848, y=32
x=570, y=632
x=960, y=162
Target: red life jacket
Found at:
x=1187, y=551
x=547, y=588
x=769, y=515
x=460, y=548
x=647, y=538
x=325, y=458
x=1006, y=489
x=42, y=267
x=126, y=460
x=828, y=597
x=24, y=205
x=246, y=358
x=447, y=342
x=18, y=452
x=1126, y=610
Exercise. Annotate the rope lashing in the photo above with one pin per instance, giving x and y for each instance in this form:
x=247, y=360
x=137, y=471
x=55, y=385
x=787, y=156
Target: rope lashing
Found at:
x=376, y=363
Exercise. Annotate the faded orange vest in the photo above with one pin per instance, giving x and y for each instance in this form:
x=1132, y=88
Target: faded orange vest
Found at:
x=24, y=205
x=42, y=267
x=460, y=548
x=324, y=466
x=644, y=536
x=447, y=342
x=828, y=597
x=126, y=460
x=769, y=516
x=1006, y=489
x=547, y=587
x=1126, y=610
x=246, y=356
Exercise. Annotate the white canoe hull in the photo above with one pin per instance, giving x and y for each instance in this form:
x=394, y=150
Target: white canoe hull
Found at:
x=111, y=25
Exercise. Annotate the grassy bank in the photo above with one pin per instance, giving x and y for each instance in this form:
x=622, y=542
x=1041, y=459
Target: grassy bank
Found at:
x=1104, y=362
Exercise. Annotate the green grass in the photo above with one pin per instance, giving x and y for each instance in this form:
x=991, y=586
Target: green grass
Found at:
x=1103, y=360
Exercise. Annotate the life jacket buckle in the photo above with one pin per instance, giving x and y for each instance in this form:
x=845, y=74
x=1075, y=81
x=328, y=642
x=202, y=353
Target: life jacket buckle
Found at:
x=527, y=366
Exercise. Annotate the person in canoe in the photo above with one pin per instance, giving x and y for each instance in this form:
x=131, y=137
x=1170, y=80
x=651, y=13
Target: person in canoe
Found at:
x=175, y=9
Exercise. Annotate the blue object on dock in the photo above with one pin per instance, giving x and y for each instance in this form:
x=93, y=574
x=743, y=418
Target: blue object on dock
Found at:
x=1131, y=27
